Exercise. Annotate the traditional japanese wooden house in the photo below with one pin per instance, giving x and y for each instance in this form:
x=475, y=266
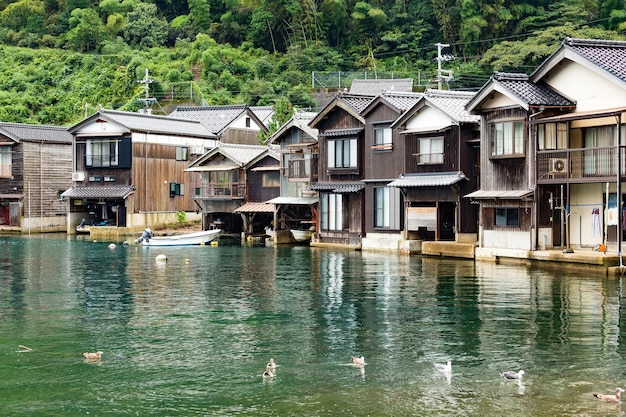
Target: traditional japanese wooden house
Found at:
x=129, y=170
x=507, y=196
x=440, y=162
x=234, y=183
x=35, y=168
x=384, y=160
x=341, y=171
x=296, y=207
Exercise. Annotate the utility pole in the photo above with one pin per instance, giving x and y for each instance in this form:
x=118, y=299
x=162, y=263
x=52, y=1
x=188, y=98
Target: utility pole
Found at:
x=146, y=101
x=440, y=59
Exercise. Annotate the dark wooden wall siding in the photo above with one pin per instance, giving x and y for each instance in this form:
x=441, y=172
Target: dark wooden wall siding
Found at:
x=489, y=216
x=506, y=173
x=383, y=164
x=47, y=171
x=17, y=171
x=256, y=191
x=241, y=136
x=338, y=120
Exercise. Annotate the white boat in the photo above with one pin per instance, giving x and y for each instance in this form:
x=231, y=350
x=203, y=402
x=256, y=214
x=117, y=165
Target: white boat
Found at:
x=301, y=235
x=196, y=238
x=83, y=229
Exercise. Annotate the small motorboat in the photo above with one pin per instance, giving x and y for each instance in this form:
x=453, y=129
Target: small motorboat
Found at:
x=195, y=238
x=301, y=235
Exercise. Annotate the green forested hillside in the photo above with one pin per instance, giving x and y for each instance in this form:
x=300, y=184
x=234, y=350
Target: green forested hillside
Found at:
x=61, y=59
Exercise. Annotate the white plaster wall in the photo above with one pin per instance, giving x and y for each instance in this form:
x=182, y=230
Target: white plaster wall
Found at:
x=240, y=123
x=428, y=119
x=506, y=239
x=591, y=90
x=44, y=224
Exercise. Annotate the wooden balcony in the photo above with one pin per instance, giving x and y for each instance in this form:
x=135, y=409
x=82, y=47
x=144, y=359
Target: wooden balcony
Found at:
x=579, y=165
x=302, y=170
x=219, y=191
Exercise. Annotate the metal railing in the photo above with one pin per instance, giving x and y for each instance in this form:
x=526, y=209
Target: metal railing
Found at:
x=219, y=190
x=584, y=163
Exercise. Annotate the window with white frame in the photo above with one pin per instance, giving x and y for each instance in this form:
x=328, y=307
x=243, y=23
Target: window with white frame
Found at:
x=382, y=138
x=182, y=153
x=507, y=138
x=431, y=151
x=331, y=211
x=386, y=207
x=342, y=153
x=6, y=161
x=102, y=153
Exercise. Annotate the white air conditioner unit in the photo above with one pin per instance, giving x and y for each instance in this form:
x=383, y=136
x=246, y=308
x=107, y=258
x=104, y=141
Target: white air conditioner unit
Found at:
x=558, y=165
x=78, y=176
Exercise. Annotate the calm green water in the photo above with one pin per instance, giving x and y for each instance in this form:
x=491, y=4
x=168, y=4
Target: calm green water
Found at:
x=192, y=338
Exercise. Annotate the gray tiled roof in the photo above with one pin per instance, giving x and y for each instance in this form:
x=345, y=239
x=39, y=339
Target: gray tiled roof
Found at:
x=239, y=154
x=98, y=192
x=402, y=101
x=214, y=118
x=339, y=187
x=343, y=132
x=142, y=122
x=299, y=120
x=609, y=55
x=453, y=104
x=40, y=133
x=377, y=86
x=357, y=102
x=264, y=113
x=428, y=179
x=529, y=92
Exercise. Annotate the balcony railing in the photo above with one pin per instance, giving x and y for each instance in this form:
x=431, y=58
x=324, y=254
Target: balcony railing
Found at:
x=219, y=190
x=586, y=164
x=302, y=169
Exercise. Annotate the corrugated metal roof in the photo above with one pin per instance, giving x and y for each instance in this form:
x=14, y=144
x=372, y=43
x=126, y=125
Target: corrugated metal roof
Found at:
x=500, y=195
x=377, y=86
x=150, y=123
x=294, y=201
x=428, y=180
x=255, y=208
x=40, y=133
x=98, y=192
x=339, y=187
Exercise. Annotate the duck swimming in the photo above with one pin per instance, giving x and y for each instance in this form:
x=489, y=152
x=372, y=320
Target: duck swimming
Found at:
x=443, y=367
x=268, y=372
x=609, y=398
x=93, y=355
x=512, y=374
x=358, y=360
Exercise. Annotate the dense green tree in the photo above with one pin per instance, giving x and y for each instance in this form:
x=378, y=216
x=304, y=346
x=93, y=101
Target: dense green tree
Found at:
x=26, y=15
x=87, y=30
x=144, y=27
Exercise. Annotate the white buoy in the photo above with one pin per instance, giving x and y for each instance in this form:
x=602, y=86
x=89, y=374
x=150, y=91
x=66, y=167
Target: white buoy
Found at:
x=161, y=258
x=112, y=246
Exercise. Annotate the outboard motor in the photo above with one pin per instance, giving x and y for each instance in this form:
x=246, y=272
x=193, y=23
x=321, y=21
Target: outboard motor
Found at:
x=146, y=235
x=82, y=222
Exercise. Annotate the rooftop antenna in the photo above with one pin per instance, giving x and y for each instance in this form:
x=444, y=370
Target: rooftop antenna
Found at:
x=147, y=100
x=449, y=75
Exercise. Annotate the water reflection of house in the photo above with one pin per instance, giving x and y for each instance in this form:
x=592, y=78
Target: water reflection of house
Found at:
x=233, y=185
x=129, y=170
x=34, y=166
x=296, y=207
